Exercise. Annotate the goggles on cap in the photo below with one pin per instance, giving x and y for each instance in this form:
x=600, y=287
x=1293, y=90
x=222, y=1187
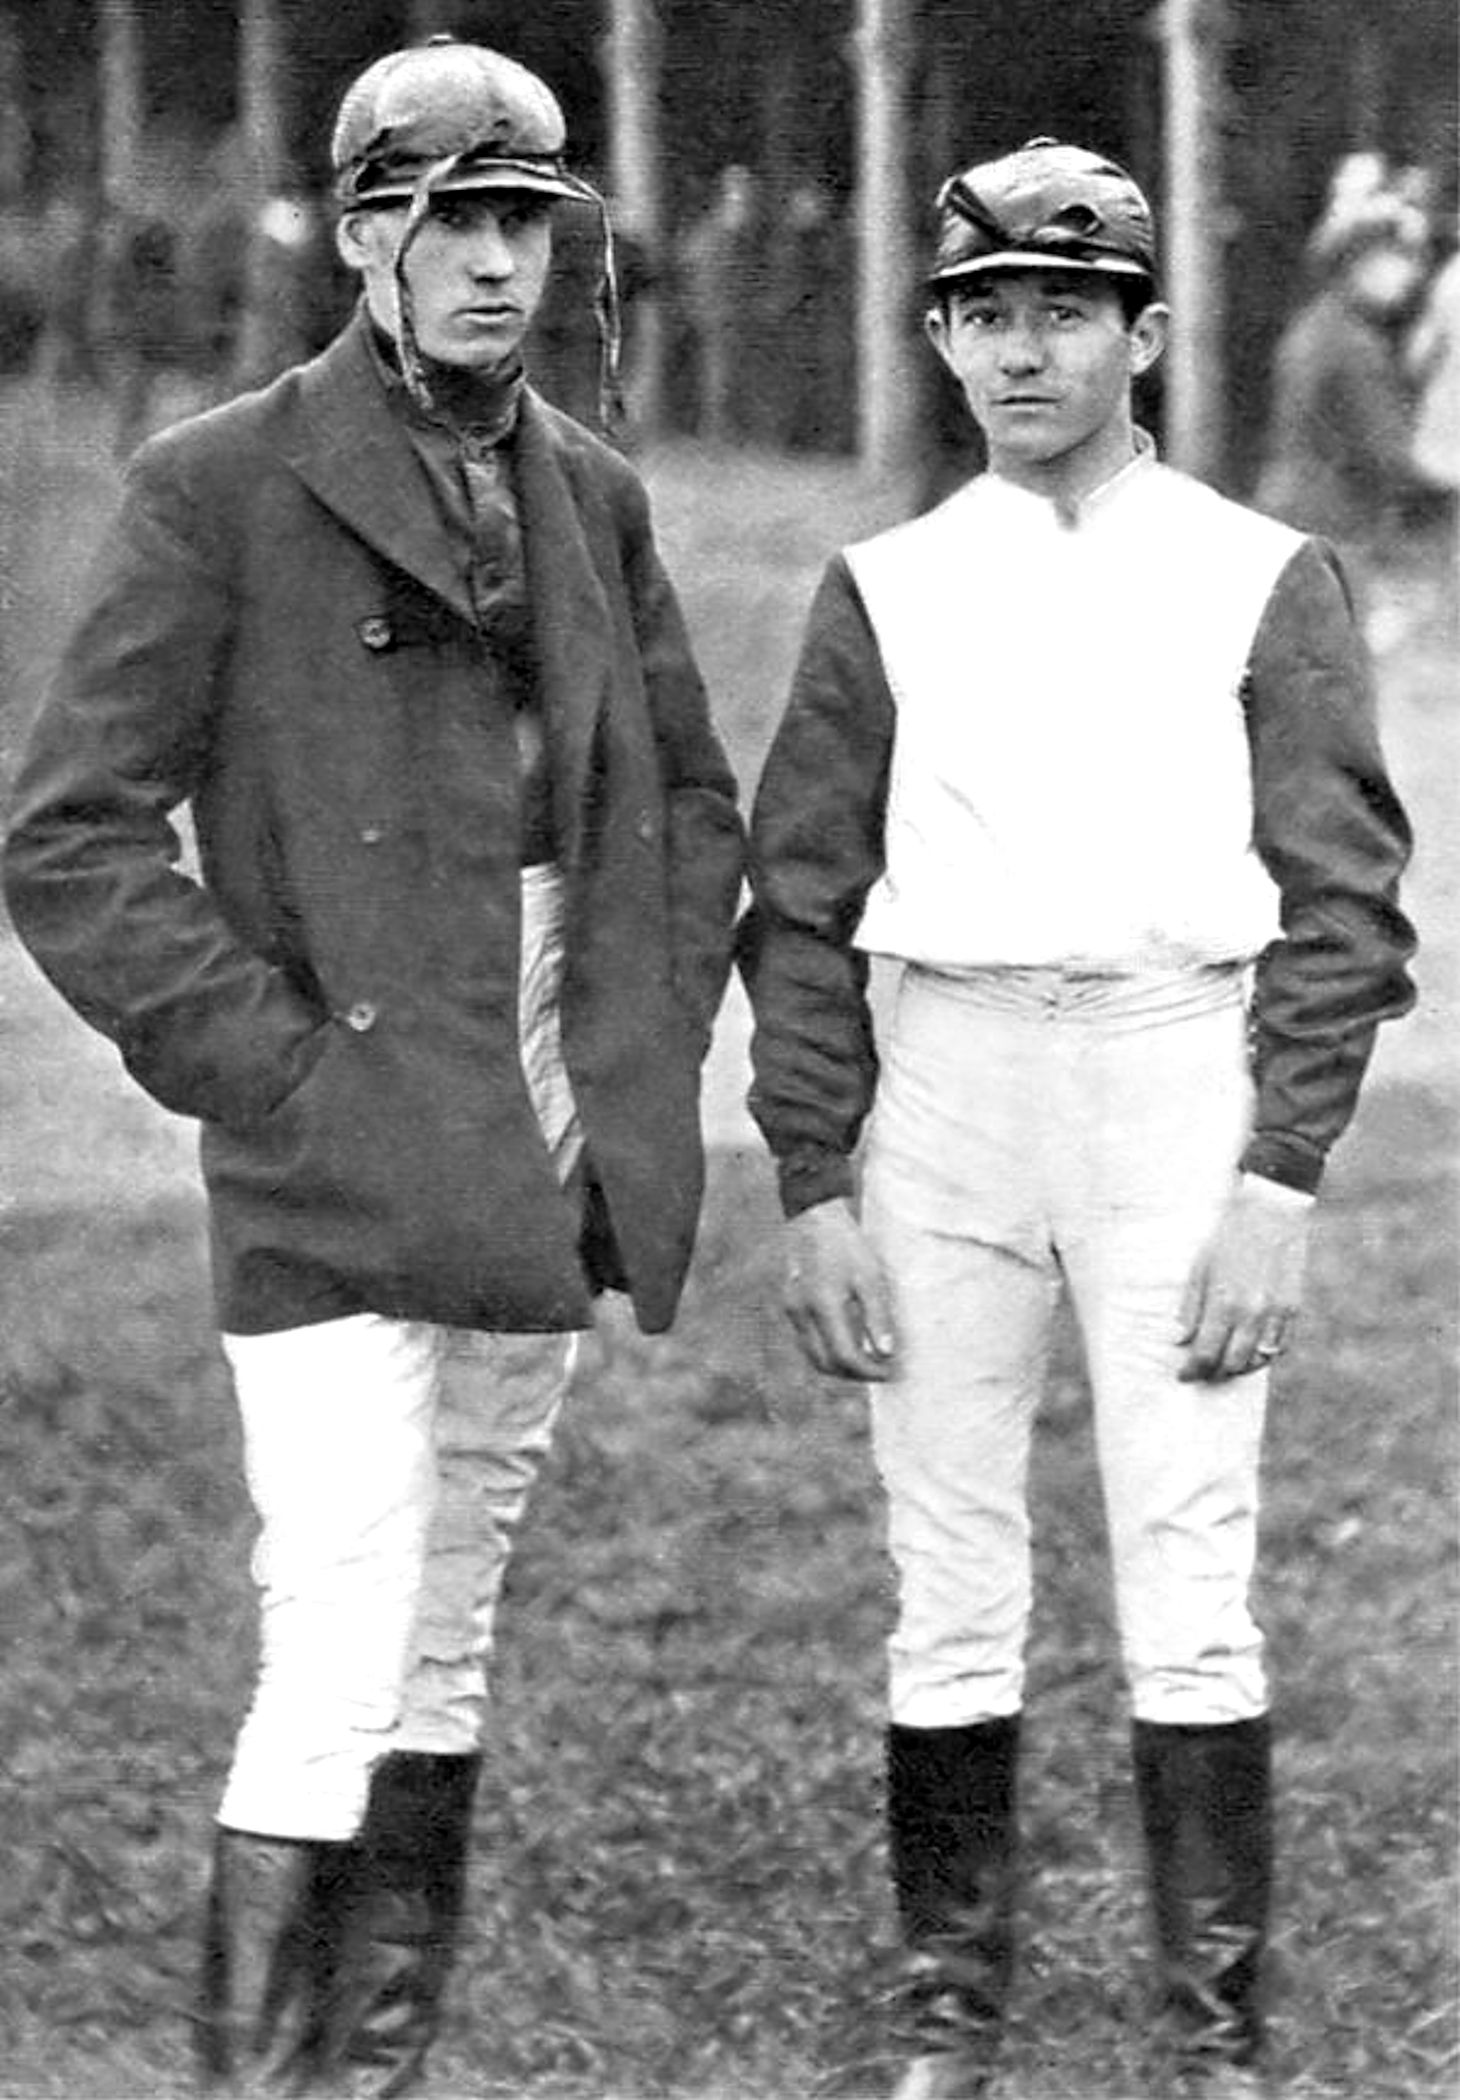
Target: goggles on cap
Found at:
x=1047, y=205
x=390, y=178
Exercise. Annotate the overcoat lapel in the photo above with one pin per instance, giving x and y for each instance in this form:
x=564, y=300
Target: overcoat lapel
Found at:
x=354, y=453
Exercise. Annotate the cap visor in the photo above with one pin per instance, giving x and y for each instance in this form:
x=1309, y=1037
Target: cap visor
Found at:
x=1039, y=259
x=518, y=176
x=511, y=175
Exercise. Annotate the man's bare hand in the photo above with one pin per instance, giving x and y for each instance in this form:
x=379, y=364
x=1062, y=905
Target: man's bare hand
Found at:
x=1244, y=1287
x=836, y=1294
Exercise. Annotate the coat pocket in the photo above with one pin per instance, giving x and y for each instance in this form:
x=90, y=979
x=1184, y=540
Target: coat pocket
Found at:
x=397, y=1168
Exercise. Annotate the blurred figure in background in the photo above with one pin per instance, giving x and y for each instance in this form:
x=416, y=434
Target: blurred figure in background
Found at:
x=260, y=284
x=214, y=247
x=1432, y=357
x=295, y=294
x=1339, y=456
x=138, y=316
x=722, y=278
x=808, y=320
x=66, y=353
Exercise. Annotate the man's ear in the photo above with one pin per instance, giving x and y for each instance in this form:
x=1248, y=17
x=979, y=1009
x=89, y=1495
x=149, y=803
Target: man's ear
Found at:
x=352, y=240
x=1148, y=333
x=935, y=328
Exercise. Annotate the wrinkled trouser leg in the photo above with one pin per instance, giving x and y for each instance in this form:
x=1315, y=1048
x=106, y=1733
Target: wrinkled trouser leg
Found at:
x=404, y=1907
x=1180, y=1471
x=390, y=1462
x=1025, y=1131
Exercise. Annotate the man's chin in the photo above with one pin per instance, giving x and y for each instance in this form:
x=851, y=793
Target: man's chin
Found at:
x=478, y=361
x=477, y=350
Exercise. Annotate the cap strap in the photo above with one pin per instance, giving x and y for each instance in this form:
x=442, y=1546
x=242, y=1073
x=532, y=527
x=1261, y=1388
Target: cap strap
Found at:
x=408, y=349
x=608, y=313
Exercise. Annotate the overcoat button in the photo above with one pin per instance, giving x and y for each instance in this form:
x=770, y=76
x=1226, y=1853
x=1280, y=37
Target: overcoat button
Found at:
x=375, y=631
x=371, y=834
x=361, y=1016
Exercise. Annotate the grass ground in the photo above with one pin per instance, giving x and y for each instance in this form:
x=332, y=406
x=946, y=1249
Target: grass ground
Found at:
x=680, y=1889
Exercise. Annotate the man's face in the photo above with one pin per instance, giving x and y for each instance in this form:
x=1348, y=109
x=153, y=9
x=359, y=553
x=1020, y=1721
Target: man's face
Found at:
x=477, y=270
x=1045, y=358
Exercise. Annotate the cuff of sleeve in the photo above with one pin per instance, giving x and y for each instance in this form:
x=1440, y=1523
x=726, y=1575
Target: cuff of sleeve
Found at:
x=808, y=1178
x=1277, y=1156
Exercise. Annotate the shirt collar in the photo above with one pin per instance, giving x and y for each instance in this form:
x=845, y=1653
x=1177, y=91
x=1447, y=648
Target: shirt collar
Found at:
x=478, y=410
x=1130, y=474
x=1115, y=485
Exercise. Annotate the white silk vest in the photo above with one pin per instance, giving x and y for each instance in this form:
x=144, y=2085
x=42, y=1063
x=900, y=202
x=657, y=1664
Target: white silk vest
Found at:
x=1071, y=781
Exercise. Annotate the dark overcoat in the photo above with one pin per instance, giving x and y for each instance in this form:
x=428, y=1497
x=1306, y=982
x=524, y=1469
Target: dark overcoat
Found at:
x=278, y=637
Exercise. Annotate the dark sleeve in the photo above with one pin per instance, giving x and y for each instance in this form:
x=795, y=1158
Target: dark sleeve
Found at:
x=92, y=871
x=1331, y=833
x=705, y=839
x=816, y=850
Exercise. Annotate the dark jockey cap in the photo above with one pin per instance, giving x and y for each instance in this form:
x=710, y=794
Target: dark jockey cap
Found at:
x=459, y=116
x=1046, y=206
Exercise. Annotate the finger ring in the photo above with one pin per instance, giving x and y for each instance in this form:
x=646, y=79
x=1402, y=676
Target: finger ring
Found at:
x=1268, y=1350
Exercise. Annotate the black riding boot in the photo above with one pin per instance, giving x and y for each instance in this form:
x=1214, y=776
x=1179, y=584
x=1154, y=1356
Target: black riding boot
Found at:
x=952, y=1828
x=1205, y=1797
x=268, y=1955
x=403, y=1911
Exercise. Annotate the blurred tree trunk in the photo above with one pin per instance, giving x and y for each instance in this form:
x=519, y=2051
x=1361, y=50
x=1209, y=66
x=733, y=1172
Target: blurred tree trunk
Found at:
x=1194, y=34
x=1368, y=90
x=15, y=138
x=260, y=91
x=121, y=99
x=262, y=121
x=882, y=48
x=631, y=54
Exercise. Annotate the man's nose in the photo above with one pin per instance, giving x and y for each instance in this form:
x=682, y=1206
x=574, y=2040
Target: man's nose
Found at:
x=1021, y=347
x=490, y=253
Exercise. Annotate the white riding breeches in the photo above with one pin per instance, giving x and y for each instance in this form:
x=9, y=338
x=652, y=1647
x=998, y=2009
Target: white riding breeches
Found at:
x=389, y=1462
x=1032, y=1126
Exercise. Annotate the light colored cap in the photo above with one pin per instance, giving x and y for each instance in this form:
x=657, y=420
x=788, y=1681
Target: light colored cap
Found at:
x=466, y=117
